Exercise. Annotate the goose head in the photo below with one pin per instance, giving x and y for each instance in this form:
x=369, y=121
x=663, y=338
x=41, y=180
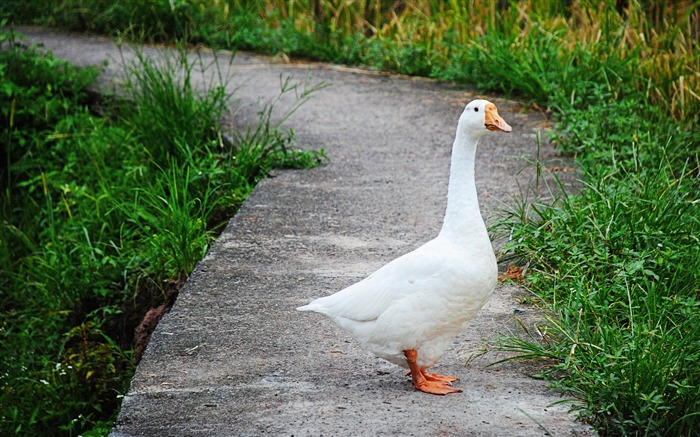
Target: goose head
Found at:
x=480, y=117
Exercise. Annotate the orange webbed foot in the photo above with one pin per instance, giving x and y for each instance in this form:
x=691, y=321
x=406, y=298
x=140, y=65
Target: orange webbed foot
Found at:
x=436, y=388
x=428, y=382
x=436, y=377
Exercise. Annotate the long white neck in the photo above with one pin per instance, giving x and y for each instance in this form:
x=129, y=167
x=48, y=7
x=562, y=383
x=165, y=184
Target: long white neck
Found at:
x=463, y=222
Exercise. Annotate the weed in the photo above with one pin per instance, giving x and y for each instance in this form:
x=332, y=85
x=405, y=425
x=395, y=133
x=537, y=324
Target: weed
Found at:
x=168, y=115
x=268, y=144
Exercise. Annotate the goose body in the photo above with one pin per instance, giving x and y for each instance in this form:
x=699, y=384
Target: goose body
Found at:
x=410, y=310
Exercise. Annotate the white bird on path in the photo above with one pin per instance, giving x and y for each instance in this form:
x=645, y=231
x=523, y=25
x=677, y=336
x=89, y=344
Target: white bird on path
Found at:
x=410, y=310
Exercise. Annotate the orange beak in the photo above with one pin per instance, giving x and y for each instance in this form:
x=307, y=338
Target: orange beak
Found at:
x=493, y=121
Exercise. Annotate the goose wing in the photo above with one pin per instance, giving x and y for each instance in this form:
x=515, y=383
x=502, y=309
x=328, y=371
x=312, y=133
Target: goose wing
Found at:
x=431, y=269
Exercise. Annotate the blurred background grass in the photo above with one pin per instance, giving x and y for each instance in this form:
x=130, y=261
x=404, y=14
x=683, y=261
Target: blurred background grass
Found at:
x=651, y=43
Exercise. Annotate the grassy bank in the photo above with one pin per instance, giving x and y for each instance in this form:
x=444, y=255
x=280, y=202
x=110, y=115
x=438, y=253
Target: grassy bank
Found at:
x=617, y=265
x=569, y=47
x=106, y=206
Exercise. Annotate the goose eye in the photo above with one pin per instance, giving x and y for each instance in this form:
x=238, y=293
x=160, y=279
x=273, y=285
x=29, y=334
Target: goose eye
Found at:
x=476, y=109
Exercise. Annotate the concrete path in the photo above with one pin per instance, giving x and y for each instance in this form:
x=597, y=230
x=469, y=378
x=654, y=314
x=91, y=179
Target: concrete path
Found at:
x=233, y=357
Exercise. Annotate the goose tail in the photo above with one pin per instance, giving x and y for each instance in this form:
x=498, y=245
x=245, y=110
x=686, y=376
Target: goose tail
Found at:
x=310, y=307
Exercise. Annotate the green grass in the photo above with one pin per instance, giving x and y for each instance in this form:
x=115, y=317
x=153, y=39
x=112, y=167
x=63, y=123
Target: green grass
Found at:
x=618, y=265
x=445, y=40
x=615, y=265
x=103, y=218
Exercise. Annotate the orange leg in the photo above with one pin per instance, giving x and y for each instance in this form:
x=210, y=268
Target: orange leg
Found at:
x=426, y=382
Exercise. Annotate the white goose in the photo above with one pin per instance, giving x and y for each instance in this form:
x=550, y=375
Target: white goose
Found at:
x=409, y=311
